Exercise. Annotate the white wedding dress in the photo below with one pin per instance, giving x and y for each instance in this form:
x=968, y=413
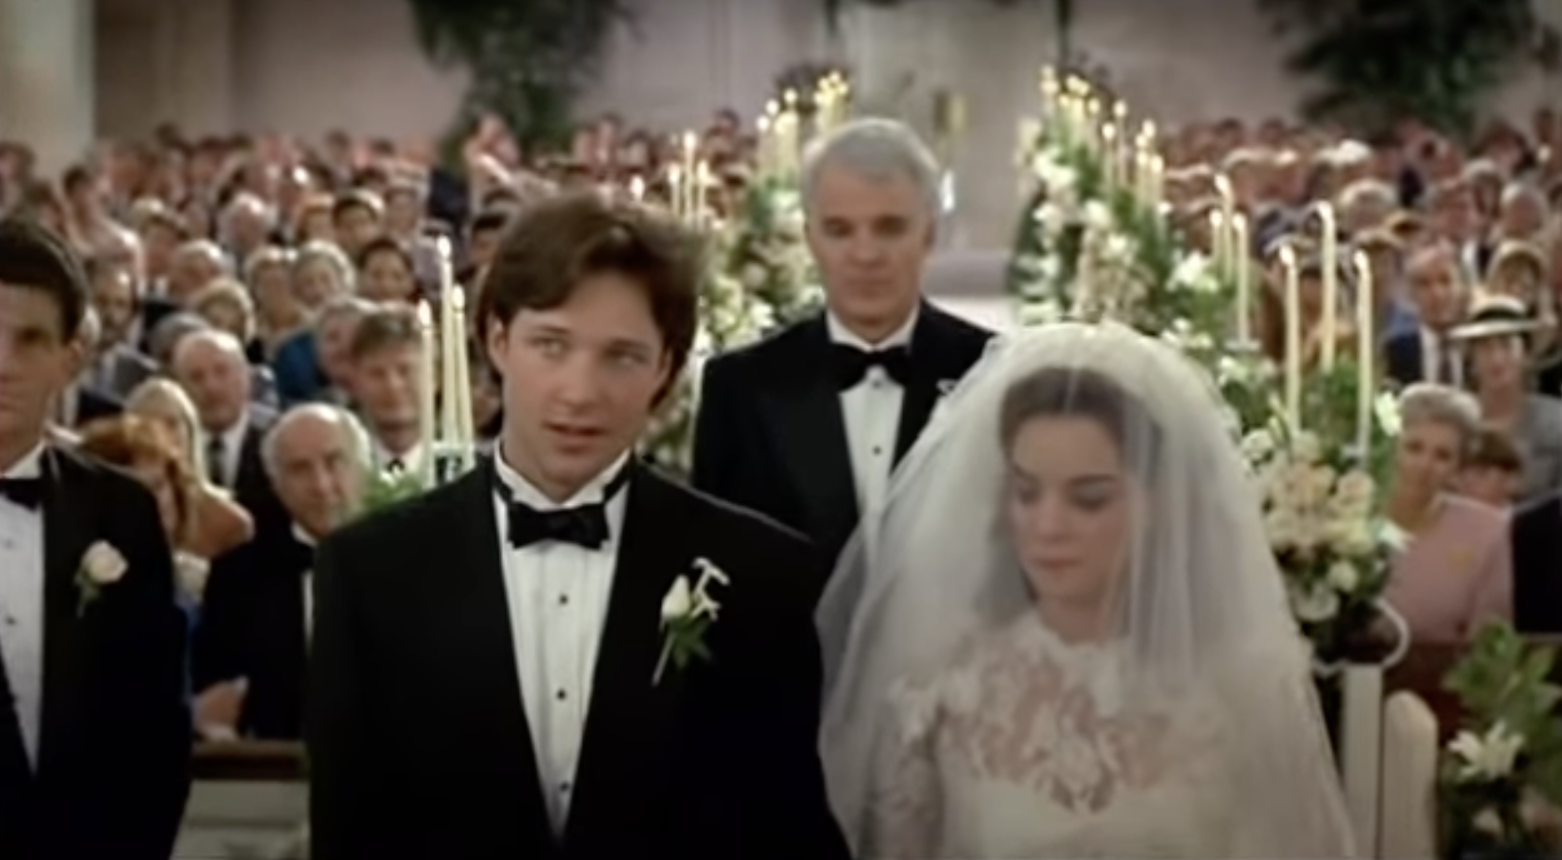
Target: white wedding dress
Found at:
x=1024, y=748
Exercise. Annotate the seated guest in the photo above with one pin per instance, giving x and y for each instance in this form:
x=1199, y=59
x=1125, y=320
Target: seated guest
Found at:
x=386, y=351
x=218, y=523
x=80, y=401
x=1496, y=339
x=278, y=312
x=211, y=367
x=251, y=648
x=118, y=363
x=316, y=364
x=387, y=272
x=1493, y=472
x=145, y=449
x=1456, y=572
x=1440, y=291
x=226, y=305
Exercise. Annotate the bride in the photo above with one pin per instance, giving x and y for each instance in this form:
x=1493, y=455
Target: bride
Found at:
x=1068, y=637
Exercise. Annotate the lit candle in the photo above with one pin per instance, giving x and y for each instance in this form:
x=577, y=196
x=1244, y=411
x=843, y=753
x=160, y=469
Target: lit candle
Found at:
x=1157, y=180
x=1293, y=338
x=1243, y=261
x=1109, y=154
x=675, y=190
x=702, y=181
x=1366, y=349
x=637, y=188
x=763, y=145
x=691, y=143
x=1228, y=209
x=1329, y=241
x=465, y=437
x=426, y=390
x=447, y=361
x=1217, y=241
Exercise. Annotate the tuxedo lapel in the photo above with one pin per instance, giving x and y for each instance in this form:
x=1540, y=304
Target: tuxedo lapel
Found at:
x=932, y=364
x=624, y=752
x=805, y=410
x=483, y=648
x=67, y=529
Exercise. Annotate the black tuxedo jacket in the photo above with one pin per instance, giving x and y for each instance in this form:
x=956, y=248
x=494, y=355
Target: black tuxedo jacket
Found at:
x=251, y=485
x=770, y=436
x=1536, y=533
x=252, y=626
x=113, y=766
x=417, y=735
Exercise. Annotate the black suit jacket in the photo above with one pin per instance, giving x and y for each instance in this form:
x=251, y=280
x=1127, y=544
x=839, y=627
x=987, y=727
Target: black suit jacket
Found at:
x=418, y=740
x=770, y=435
x=1403, y=358
x=251, y=485
x=112, y=771
x=1536, y=533
x=252, y=626
x=92, y=404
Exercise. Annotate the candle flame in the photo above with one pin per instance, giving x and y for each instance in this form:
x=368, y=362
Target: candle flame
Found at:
x=425, y=315
x=771, y=108
x=690, y=140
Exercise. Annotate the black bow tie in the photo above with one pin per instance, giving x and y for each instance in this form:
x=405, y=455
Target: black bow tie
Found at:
x=851, y=364
x=27, y=492
x=583, y=525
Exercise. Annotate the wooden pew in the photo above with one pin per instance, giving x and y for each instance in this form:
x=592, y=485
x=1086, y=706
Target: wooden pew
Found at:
x=249, y=800
x=1424, y=667
x=263, y=761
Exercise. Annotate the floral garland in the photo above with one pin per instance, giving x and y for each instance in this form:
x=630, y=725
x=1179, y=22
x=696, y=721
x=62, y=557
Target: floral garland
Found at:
x=1089, y=247
x=1507, y=759
x=760, y=277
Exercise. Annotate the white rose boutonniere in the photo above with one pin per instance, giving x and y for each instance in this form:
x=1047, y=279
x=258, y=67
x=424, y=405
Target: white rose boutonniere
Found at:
x=101, y=565
x=687, y=612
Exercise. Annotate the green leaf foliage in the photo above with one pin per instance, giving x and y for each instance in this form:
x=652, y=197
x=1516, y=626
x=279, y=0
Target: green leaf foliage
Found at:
x=1377, y=61
x=528, y=60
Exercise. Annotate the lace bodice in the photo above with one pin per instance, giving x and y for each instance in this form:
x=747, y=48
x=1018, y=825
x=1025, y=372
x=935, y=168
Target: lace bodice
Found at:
x=1024, y=747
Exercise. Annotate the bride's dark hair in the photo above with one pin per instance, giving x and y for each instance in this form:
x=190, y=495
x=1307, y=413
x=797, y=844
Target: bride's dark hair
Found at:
x=1056, y=392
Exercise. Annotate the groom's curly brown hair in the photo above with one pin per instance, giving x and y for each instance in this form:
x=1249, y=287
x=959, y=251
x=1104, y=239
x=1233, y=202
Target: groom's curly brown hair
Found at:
x=554, y=245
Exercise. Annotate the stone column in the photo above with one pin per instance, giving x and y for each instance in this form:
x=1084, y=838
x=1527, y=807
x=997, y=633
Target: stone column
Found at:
x=47, y=92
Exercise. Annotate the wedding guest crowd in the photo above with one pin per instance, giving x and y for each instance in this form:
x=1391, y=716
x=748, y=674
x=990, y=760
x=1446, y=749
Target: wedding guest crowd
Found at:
x=1464, y=244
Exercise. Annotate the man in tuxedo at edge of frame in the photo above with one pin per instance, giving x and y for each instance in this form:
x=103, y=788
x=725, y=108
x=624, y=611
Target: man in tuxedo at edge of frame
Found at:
x=486, y=674
x=94, y=722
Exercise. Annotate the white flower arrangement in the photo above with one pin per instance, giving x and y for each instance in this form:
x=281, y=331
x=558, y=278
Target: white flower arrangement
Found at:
x=1333, y=548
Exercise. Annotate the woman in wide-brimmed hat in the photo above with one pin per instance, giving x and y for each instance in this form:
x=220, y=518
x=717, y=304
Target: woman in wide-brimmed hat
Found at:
x=1498, y=338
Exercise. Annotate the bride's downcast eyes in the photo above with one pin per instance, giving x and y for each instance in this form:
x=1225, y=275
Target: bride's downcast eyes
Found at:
x=1089, y=493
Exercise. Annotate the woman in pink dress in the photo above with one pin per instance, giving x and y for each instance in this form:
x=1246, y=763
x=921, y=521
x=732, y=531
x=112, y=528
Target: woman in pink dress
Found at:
x=1457, y=571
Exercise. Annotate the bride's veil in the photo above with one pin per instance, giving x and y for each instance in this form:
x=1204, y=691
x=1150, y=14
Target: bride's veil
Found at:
x=1201, y=607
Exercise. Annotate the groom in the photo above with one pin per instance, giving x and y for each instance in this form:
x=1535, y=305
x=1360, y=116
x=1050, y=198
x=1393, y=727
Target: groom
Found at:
x=94, y=726
x=487, y=677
